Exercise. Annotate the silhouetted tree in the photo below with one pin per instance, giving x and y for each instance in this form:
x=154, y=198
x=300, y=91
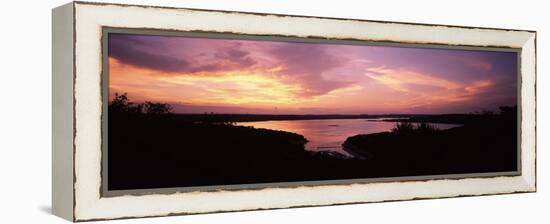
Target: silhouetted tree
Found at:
x=402, y=127
x=405, y=127
x=156, y=108
x=425, y=127
x=122, y=104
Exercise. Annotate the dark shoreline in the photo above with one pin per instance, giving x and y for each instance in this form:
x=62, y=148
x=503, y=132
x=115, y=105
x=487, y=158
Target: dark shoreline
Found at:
x=175, y=150
x=490, y=145
x=427, y=118
x=271, y=117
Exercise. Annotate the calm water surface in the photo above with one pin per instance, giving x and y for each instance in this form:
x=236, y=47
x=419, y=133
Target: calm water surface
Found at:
x=330, y=134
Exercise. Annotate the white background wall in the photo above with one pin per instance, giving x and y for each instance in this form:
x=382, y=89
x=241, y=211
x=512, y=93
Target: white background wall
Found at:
x=25, y=112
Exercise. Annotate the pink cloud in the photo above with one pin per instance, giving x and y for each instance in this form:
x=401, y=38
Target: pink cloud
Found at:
x=258, y=74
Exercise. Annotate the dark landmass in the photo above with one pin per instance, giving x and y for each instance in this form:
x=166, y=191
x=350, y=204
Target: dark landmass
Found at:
x=148, y=147
x=444, y=118
x=485, y=143
x=164, y=151
x=218, y=118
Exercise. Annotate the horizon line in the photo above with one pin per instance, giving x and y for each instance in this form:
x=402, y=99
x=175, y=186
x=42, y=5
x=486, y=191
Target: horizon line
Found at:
x=381, y=114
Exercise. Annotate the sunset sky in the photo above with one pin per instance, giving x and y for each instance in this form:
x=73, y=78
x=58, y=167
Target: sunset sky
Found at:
x=197, y=75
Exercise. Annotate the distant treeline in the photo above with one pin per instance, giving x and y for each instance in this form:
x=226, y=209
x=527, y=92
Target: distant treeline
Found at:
x=420, y=118
x=273, y=117
x=505, y=111
x=122, y=104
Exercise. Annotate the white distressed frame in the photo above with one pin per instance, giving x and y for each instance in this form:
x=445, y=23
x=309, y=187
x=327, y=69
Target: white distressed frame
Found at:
x=90, y=18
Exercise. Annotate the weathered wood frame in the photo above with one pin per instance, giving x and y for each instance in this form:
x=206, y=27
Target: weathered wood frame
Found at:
x=77, y=110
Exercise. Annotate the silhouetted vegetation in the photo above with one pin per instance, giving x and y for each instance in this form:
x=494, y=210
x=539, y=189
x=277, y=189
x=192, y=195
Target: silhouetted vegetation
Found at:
x=232, y=118
x=407, y=127
x=470, y=118
x=487, y=145
x=121, y=104
x=151, y=147
x=403, y=128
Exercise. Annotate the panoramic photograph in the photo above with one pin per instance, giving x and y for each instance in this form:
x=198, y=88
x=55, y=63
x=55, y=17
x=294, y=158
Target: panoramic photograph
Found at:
x=196, y=111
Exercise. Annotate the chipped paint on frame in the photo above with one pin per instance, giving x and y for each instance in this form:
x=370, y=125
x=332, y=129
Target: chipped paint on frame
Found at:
x=89, y=205
x=105, y=88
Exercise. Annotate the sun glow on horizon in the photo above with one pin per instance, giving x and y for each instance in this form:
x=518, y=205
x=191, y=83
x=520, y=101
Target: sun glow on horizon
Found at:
x=267, y=77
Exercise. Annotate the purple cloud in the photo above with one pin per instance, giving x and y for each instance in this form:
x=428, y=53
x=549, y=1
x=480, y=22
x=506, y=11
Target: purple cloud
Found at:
x=319, y=69
x=144, y=52
x=157, y=53
x=301, y=63
x=306, y=64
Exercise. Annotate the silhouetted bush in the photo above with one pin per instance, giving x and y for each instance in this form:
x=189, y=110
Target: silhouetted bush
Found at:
x=156, y=108
x=407, y=127
x=425, y=127
x=122, y=104
x=403, y=127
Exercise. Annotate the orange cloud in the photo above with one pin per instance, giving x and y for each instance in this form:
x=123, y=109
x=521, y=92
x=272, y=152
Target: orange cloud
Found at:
x=255, y=89
x=422, y=90
x=247, y=88
x=403, y=80
x=218, y=74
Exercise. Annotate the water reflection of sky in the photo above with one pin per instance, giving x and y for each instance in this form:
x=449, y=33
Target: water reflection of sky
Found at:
x=329, y=134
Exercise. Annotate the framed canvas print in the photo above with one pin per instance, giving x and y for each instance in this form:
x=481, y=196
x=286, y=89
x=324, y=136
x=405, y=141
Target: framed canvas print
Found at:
x=165, y=111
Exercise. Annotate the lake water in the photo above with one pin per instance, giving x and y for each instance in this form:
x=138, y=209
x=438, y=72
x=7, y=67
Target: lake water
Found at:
x=330, y=134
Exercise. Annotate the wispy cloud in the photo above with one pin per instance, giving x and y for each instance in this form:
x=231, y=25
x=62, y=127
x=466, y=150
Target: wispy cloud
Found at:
x=153, y=52
x=262, y=75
